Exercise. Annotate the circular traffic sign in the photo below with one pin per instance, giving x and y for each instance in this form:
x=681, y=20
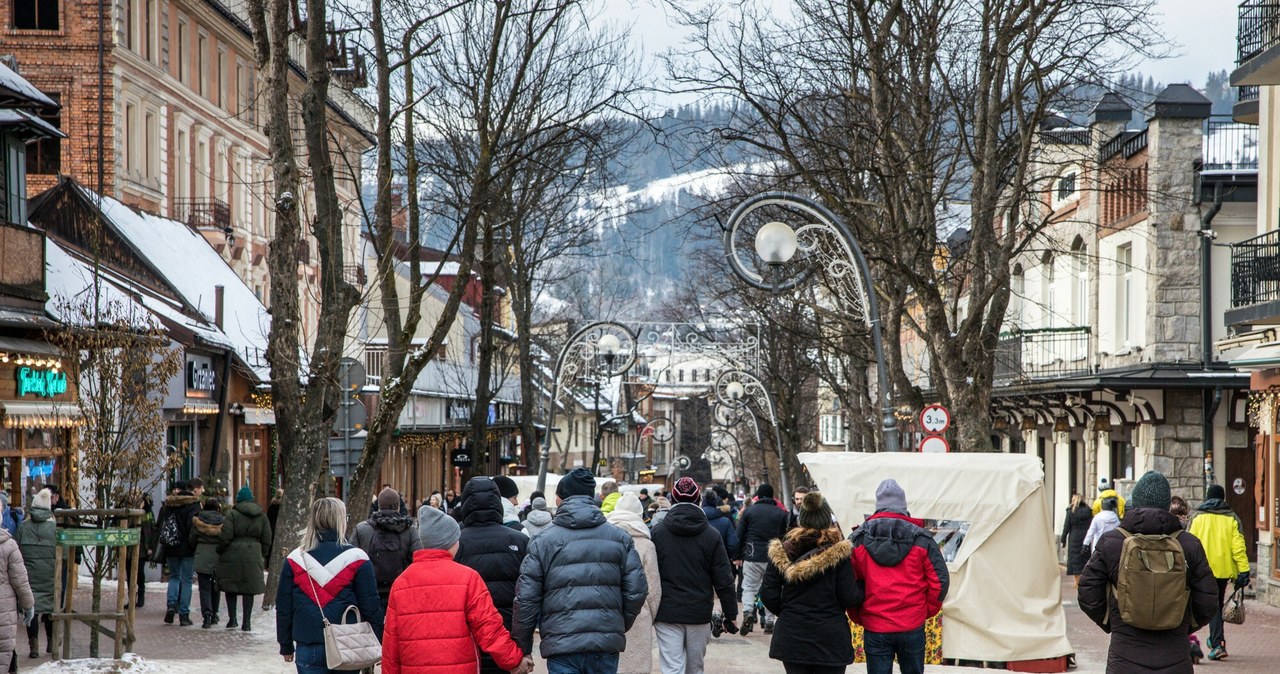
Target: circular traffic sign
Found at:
x=934, y=444
x=935, y=419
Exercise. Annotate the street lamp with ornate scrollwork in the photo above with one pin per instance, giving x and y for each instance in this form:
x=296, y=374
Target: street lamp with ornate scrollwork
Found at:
x=737, y=389
x=826, y=246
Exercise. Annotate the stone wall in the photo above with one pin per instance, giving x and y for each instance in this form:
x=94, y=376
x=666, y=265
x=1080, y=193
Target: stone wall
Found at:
x=1177, y=450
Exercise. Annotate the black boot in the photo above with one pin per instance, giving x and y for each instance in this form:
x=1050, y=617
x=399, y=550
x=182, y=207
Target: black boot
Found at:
x=207, y=621
x=34, y=643
x=231, y=611
x=169, y=614
x=247, y=611
x=185, y=621
x=48, y=633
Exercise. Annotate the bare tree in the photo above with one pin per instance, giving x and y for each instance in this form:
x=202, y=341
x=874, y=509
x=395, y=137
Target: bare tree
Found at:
x=889, y=111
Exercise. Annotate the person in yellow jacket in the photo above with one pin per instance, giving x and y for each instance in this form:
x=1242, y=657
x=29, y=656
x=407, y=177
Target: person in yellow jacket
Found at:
x=1107, y=490
x=1222, y=535
x=609, y=496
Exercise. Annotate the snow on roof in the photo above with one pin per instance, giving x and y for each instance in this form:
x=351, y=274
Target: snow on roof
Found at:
x=69, y=284
x=193, y=268
x=15, y=86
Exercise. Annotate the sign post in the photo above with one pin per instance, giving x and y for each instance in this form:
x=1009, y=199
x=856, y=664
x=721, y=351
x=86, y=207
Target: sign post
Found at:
x=349, y=422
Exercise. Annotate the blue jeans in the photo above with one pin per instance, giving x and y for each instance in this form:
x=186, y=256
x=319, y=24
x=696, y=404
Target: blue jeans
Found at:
x=880, y=648
x=179, y=597
x=309, y=659
x=583, y=663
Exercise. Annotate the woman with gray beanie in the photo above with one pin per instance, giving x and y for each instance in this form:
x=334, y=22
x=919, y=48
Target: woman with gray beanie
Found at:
x=538, y=518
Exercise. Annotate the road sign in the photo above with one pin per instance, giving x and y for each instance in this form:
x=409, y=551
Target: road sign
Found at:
x=935, y=419
x=934, y=444
x=351, y=374
x=351, y=417
x=106, y=537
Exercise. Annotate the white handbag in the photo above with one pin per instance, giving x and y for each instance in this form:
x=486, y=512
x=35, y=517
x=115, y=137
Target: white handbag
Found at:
x=347, y=646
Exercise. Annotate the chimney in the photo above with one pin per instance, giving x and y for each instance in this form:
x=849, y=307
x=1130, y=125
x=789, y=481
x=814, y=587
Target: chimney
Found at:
x=218, y=292
x=1179, y=101
x=1112, y=108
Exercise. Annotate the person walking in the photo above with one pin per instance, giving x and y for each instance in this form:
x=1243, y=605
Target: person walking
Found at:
x=809, y=584
x=1106, y=490
x=319, y=580
x=905, y=581
x=692, y=562
x=758, y=525
x=16, y=599
x=1135, y=650
x=147, y=543
x=389, y=539
x=793, y=511
x=246, y=544
x=581, y=585
x=538, y=519
x=440, y=613
x=490, y=548
x=628, y=516
x=658, y=510
x=510, y=493
x=37, y=539
x=1222, y=535
x=176, y=516
x=609, y=496
x=721, y=522
x=206, y=536
x=1074, y=528
x=1104, y=521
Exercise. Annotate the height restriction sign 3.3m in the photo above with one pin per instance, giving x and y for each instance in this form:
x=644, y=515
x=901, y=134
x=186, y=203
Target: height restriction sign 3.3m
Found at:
x=934, y=421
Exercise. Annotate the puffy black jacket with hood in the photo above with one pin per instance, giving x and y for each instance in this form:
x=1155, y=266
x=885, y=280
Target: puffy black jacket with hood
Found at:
x=184, y=506
x=758, y=524
x=493, y=549
x=691, y=561
x=581, y=584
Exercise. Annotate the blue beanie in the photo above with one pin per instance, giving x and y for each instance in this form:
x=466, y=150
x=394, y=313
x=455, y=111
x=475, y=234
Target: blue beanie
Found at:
x=245, y=494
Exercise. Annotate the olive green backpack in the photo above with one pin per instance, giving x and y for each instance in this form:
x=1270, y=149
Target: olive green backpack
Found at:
x=1151, y=582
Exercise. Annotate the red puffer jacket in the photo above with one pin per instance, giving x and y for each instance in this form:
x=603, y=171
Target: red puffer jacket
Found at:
x=438, y=612
x=905, y=575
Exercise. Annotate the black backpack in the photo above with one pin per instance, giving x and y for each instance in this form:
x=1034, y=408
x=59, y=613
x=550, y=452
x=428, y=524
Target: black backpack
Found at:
x=170, y=531
x=388, y=557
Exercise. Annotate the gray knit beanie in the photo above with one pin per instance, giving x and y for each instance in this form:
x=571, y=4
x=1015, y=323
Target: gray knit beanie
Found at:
x=1152, y=491
x=436, y=530
x=891, y=497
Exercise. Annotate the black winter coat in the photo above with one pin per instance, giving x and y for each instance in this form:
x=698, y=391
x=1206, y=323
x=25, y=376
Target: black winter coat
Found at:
x=395, y=524
x=185, y=506
x=1073, y=531
x=1136, y=650
x=581, y=585
x=691, y=562
x=493, y=550
x=758, y=525
x=809, y=584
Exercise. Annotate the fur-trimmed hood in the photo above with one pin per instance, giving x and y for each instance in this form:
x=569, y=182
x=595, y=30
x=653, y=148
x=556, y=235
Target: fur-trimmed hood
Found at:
x=811, y=564
x=209, y=523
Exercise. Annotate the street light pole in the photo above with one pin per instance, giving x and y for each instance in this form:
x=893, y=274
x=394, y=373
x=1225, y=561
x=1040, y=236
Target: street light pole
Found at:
x=603, y=349
x=828, y=246
x=735, y=389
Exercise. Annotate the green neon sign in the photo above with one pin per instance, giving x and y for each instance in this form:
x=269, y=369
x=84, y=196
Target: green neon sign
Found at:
x=41, y=382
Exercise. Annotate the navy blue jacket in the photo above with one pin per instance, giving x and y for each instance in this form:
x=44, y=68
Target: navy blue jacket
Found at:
x=728, y=533
x=342, y=575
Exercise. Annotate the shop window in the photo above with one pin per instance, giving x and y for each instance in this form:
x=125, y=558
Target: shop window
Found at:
x=1122, y=460
x=44, y=156
x=35, y=14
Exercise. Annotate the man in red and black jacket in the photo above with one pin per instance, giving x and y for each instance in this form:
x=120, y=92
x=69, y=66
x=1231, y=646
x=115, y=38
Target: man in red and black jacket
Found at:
x=906, y=580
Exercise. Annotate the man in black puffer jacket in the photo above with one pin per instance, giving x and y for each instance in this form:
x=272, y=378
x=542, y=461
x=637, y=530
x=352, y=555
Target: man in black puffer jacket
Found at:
x=581, y=585
x=493, y=550
x=390, y=539
x=758, y=525
x=691, y=561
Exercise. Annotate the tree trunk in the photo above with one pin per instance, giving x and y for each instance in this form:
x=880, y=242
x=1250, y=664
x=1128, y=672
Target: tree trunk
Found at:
x=484, y=368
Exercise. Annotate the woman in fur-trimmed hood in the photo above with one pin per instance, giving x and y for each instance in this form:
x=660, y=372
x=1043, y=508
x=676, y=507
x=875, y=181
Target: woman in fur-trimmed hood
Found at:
x=812, y=563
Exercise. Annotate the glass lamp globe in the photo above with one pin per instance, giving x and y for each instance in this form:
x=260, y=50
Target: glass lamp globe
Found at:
x=734, y=390
x=776, y=242
x=609, y=346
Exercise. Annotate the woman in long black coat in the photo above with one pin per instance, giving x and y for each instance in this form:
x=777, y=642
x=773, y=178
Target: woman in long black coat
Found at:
x=1079, y=514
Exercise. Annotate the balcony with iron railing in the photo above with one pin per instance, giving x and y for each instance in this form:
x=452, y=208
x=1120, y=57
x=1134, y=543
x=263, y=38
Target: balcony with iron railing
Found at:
x=1255, y=280
x=1245, y=109
x=1228, y=169
x=1257, y=43
x=203, y=213
x=1027, y=356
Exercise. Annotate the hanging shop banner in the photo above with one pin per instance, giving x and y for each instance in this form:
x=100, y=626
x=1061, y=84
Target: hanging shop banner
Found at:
x=201, y=380
x=462, y=457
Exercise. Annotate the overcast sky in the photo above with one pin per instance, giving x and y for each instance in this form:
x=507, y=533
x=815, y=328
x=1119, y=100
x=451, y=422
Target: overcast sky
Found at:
x=1204, y=30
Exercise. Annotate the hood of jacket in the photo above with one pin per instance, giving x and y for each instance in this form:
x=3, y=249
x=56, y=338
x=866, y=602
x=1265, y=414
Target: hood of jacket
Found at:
x=812, y=563
x=209, y=523
x=1108, y=515
x=539, y=518
x=180, y=500
x=249, y=509
x=631, y=523
x=481, y=502
x=1150, y=521
x=390, y=520
x=1216, y=506
x=510, y=513
x=685, y=519
x=40, y=514
x=714, y=514
x=4, y=535
x=888, y=537
x=578, y=512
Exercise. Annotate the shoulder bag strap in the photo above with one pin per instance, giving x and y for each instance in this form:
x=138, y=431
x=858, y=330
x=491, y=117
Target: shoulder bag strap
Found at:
x=311, y=580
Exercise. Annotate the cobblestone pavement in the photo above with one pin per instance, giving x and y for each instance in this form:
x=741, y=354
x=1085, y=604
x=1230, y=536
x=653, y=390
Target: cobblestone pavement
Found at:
x=190, y=650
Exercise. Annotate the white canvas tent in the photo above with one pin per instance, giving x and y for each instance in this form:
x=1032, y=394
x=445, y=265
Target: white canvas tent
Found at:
x=529, y=484
x=1004, y=603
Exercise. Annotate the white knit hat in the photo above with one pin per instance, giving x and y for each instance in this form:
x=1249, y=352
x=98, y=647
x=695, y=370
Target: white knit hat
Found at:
x=44, y=499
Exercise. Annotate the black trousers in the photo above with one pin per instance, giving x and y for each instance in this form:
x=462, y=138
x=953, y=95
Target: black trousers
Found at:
x=793, y=668
x=1216, y=635
x=209, y=595
x=247, y=600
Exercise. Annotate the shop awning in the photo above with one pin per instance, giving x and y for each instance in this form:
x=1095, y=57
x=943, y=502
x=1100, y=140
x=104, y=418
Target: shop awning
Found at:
x=259, y=416
x=41, y=415
x=1260, y=357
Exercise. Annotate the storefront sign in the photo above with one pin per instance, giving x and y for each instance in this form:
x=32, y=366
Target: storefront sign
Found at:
x=42, y=382
x=462, y=457
x=201, y=380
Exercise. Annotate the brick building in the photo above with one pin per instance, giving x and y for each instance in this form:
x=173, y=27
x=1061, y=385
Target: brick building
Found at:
x=177, y=118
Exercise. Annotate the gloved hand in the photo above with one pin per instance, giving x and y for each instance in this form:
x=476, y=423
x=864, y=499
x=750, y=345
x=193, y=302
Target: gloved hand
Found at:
x=1242, y=580
x=730, y=626
x=28, y=614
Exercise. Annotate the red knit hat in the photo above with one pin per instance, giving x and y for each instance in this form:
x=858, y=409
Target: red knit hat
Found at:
x=686, y=491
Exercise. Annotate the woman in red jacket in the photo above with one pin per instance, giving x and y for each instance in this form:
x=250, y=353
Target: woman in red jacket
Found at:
x=439, y=611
